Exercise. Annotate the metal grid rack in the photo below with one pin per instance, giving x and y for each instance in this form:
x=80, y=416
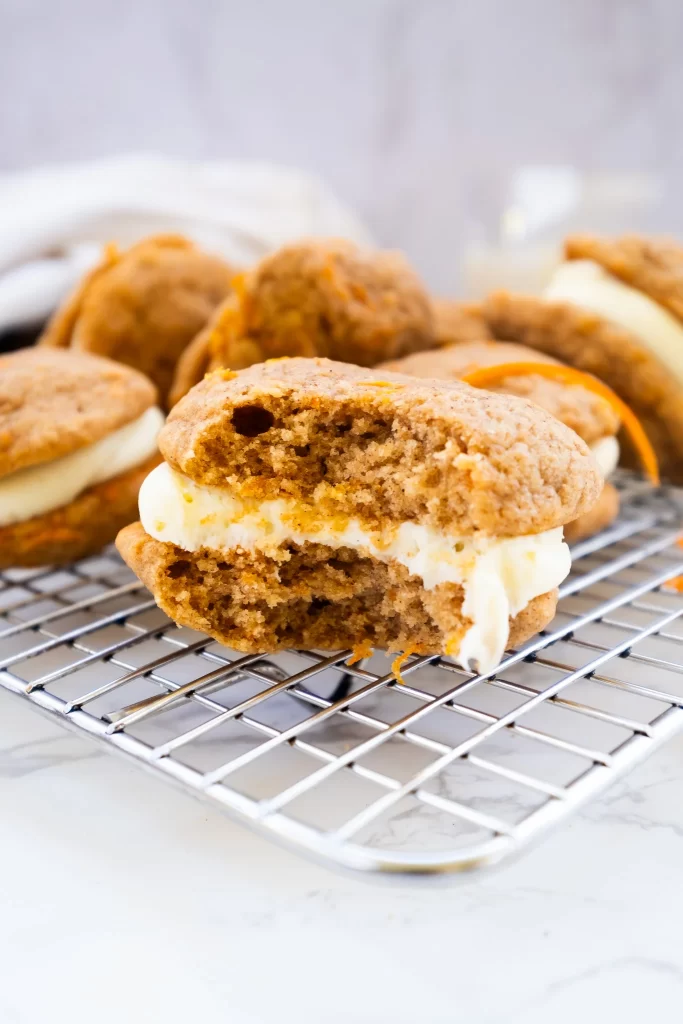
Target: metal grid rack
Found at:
x=445, y=773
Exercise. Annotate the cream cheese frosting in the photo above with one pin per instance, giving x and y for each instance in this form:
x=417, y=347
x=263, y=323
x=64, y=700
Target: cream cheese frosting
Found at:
x=499, y=575
x=606, y=453
x=586, y=284
x=49, y=485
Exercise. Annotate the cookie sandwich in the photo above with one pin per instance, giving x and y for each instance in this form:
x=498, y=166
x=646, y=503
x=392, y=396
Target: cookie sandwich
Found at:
x=591, y=416
x=142, y=307
x=77, y=438
x=316, y=298
x=312, y=504
x=614, y=308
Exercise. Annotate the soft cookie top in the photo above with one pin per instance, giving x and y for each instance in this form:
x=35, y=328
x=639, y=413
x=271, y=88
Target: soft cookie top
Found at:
x=382, y=446
x=143, y=306
x=53, y=402
x=324, y=297
x=585, y=412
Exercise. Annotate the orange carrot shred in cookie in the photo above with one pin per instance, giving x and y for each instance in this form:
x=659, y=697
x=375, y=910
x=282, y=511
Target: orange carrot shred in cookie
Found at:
x=487, y=375
x=360, y=651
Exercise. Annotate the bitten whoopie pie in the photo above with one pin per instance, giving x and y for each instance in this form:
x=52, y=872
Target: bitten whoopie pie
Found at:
x=308, y=503
x=316, y=298
x=615, y=309
x=77, y=438
x=144, y=306
x=593, y=419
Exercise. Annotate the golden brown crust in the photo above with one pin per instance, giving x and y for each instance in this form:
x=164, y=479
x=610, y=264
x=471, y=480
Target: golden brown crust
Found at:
x=53, y=402
x=60, y=326
x=604, y=512
x=382, y=446
x=456, y=322
x=317, y=598
x=588, y=342
x=320, y=297
x=652, y=265
x=81, y=528
x=144, y=306
x=585, y=412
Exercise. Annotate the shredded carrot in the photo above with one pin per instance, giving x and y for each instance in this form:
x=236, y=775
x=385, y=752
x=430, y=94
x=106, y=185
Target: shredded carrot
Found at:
x=487, y=375
x=400, y=660
x=677, y=582
x=222, y=373
x=360, y=651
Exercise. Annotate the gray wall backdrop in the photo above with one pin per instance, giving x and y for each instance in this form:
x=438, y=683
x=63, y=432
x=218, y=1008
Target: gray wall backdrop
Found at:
x=415, y=111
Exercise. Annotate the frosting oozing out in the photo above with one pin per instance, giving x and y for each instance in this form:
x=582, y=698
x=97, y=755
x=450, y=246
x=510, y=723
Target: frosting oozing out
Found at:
x=499, y=575
x=39, y=489
x=586, y=284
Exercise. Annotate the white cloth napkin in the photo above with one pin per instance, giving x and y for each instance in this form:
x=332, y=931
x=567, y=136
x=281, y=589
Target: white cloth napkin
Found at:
x=55, y=220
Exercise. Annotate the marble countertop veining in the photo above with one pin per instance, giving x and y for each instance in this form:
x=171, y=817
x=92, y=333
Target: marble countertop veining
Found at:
x=123, y=899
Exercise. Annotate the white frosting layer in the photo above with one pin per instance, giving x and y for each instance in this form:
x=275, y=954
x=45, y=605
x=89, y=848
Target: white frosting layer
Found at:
x=499, y=576
x=587, y=284
x=606, y=454
x=39, y=489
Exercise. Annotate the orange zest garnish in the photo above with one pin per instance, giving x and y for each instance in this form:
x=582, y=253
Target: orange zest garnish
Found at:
x=400, y=660
x=360, y=651
x=487, y=375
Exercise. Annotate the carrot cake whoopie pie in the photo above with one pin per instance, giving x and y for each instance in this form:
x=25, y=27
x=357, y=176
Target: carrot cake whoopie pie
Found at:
x=143, y=307
x=312, y=504
x=614, y=308
x=323, y=297
x=587, y=413
x=77, y=438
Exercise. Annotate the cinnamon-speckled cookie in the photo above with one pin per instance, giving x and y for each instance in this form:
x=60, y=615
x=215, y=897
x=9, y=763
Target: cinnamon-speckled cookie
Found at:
x=305, y=502
x=77, y=436
x=315, y=298
x=593, y=419
x=614, y=308
x=144, y=306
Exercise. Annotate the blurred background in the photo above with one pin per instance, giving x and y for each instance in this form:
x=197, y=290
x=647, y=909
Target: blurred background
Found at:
x=417, y=113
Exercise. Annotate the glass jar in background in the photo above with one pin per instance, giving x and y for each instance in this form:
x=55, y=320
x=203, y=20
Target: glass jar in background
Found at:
x=522, y=244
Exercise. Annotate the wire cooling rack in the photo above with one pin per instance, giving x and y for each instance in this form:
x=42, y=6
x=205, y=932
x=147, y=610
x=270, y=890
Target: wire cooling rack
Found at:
x=447, y=772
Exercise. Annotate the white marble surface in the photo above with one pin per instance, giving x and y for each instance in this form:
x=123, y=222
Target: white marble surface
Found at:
x=415, y=111
x=122, y=899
